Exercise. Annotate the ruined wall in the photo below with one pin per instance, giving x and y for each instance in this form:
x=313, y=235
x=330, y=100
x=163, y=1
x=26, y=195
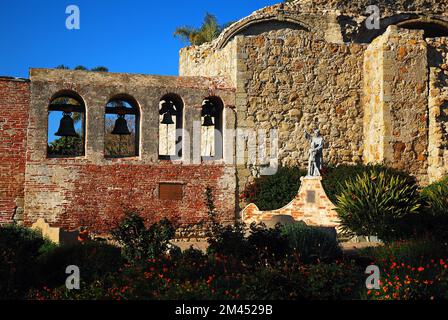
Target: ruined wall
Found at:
x=206, y=61
x=95, y=191
x=373, y=102
x=296, y=83
x=396, y=106
x=406, y=98
x=14, y=104
x=438, y=109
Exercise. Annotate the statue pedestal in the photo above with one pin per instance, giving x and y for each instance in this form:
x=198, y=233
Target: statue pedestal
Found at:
x=311, y=205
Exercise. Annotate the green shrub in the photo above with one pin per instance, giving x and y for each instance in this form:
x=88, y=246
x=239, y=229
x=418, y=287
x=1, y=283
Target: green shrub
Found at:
x=434, y=220
x=229, y=241
x=141, y=243
x=19, y=249
x=268, y=245
x=335, y=177
x=311, y=244
x=436, y=197
x=374, y=204
x=94, y=259
x=268, y=284
x=335, y=281
x=275, y=191
x=191, y=265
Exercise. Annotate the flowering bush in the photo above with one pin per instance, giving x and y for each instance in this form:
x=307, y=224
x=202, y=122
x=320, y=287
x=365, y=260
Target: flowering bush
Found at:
x=411, y=270
x=400, y=281
x=217, y=280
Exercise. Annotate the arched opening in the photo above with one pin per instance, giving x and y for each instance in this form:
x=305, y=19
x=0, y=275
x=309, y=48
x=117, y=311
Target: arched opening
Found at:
x=170, y=127
x=121, y=127
x=66, y=125
x=259, y=26
x=431, y=29
x=212, y=128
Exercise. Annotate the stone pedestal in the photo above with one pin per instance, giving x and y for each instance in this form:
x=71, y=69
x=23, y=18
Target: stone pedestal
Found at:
x=311, y=205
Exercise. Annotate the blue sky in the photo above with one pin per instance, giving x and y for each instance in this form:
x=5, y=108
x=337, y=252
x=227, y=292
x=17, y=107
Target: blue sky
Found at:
x=134, y=36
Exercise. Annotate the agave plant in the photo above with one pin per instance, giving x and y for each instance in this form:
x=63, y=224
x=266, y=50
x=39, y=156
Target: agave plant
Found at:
x=375, y=204
x=436, y=197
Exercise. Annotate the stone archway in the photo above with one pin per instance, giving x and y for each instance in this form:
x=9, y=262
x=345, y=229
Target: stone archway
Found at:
x=433, y=27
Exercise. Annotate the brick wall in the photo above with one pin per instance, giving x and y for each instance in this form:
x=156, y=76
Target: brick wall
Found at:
x=14, y=104
x=98, y=196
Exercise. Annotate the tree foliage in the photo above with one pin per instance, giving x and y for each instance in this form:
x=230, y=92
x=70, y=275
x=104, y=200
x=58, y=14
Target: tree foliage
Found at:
x=141, y=243
x=66, y=146
x=83, y=68
x=208, y=31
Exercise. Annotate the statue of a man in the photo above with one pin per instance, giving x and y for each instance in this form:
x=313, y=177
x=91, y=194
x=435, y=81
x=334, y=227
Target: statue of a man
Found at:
x=316, y=159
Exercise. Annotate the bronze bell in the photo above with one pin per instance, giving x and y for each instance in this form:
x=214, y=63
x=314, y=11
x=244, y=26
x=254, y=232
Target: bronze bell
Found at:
x=66, y=126
x=208, y=121
x=208, y=108
x=167, y=106
x=167, y=118
x=121, y=126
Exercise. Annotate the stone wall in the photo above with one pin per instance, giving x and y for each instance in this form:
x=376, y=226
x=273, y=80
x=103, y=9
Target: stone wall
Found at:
x=438, y=109
x=295, y=83
x=205, y=61
x=400, y=127
x=396, y=106
x=373, y=102
x=14, y=104
x=95, y=191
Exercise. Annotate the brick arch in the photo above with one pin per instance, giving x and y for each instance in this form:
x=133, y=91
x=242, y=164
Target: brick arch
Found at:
x=431, y=25
x=257, y=25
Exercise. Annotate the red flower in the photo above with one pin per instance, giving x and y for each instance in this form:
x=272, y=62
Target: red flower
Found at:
x=421, y=269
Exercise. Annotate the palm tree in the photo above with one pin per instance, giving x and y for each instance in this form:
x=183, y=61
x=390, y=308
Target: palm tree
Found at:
x=209, y=30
